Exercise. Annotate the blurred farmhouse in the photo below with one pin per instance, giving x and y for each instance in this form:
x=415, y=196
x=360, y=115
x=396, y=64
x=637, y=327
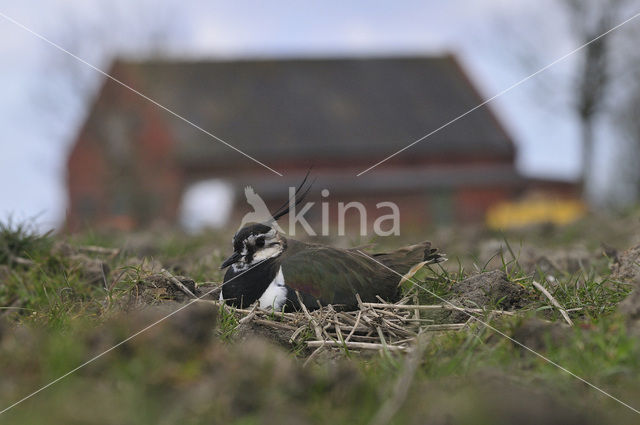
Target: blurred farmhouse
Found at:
x=132, y=162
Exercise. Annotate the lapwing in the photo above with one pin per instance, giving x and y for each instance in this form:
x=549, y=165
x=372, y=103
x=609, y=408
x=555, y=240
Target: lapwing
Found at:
x=270, y=268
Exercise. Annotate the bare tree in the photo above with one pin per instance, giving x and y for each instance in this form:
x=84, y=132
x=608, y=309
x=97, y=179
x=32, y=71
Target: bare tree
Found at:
x=626, y=119
x=589, y=20
x=98, y=32
x=594, y=82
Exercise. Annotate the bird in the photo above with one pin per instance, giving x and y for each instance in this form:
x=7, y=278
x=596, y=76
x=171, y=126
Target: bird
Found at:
x=279, y=272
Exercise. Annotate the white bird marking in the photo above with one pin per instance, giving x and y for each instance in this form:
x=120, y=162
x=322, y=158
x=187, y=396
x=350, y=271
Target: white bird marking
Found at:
x=276, y=293
x=266, y=253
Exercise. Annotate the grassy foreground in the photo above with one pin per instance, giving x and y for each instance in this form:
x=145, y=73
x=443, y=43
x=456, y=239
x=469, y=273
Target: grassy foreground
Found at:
x=65, y=300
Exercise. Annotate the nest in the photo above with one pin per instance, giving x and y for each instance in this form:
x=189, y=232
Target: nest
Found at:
x=391, y=327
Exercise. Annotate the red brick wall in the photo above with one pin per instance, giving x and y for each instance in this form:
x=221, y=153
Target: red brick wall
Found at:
x=86, y=183
x=159, y=175
x=141, y=188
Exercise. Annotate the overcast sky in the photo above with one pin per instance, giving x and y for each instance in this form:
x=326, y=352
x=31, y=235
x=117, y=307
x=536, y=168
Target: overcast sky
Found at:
x=40, y=114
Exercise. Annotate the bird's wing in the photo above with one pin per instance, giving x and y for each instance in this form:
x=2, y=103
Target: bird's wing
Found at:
x=334, y=276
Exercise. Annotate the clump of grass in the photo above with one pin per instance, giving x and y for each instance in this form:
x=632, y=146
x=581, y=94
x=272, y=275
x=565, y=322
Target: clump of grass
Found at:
x=227, y=324
x=21, y=241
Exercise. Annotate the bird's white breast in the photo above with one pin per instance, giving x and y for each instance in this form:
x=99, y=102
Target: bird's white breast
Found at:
x=276, y=293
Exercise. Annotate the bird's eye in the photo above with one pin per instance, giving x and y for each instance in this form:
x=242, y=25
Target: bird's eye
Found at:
x=260, y=241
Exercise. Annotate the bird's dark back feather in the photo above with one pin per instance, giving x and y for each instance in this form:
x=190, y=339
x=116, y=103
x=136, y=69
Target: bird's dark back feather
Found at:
x=334, y=276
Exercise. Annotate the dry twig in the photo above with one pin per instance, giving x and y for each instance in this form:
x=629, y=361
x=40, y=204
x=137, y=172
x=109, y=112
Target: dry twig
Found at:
x=360, y=345
x=179, y=284
x=554, y=302
x=316, y=328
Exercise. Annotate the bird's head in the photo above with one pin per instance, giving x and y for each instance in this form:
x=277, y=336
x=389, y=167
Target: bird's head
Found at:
x=260, y=241
x=252, y=244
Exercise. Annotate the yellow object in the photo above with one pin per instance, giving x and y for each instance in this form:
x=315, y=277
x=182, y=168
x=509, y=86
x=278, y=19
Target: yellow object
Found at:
x=506, y=215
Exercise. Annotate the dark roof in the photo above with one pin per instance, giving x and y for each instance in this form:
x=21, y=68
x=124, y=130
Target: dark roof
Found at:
x=322, y=108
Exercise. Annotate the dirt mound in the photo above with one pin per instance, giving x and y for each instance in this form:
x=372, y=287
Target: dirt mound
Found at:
x=626, y=267
x=281, y=336
x=491, y=288
x=158, y=287
x=630, y=307
x=485, y=290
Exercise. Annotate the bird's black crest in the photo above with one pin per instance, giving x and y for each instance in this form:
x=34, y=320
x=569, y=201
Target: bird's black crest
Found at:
x=297, y=198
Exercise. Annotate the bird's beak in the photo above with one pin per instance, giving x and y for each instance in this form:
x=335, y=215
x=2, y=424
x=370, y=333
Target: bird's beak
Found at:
x=229, y=261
